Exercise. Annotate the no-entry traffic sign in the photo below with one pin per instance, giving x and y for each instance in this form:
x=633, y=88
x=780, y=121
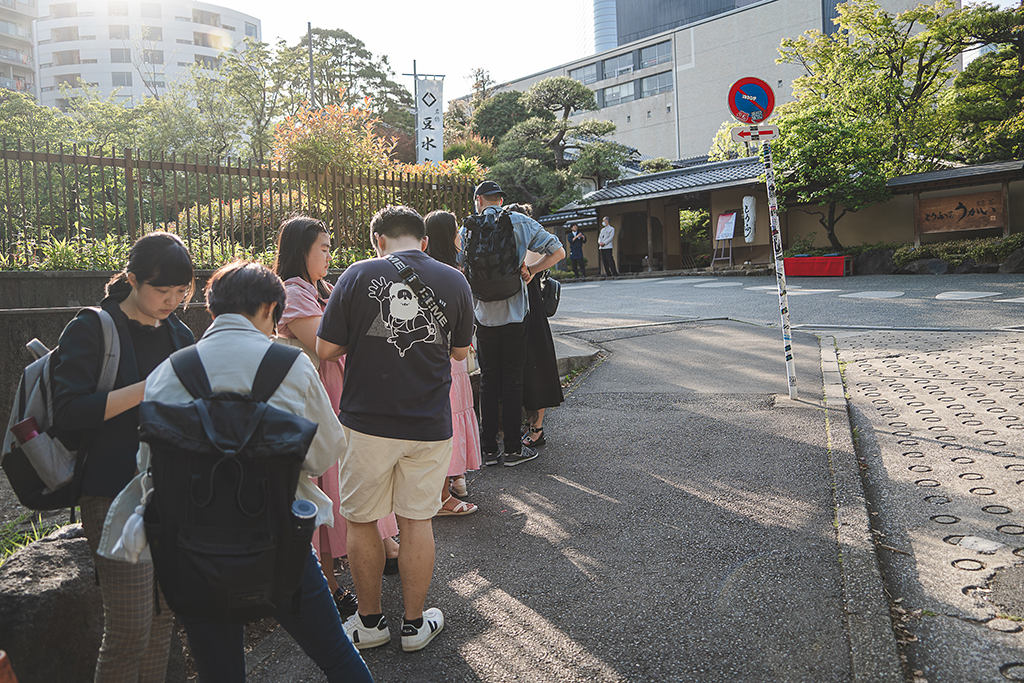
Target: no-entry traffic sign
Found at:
x=751, y=100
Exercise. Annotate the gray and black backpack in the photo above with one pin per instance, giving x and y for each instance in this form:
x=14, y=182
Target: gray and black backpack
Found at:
x=490, y=256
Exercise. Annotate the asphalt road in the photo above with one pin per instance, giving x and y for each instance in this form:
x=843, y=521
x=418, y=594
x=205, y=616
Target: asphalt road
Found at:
x=981, y=302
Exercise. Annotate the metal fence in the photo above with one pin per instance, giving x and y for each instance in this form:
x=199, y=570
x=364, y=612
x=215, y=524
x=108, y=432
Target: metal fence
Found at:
x=216, y=206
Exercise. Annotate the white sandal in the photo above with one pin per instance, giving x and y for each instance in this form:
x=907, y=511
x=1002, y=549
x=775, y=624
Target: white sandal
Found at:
x=463, y=508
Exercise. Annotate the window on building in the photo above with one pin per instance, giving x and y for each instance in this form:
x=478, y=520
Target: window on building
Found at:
x=122, y=79
x=150, y=9
x=620, y=94
x=207, y=18
x=655, y=54
x=208, y=40
x=65, y=57
x=117, y=8
x=251, y=31
x=616, y=66
x=208, y=62
x=119, y=33
x=652, y=85
x=62, y=35
x=153, y=56
x=153, y=33
x=120, y=55
x=584, y=74
x=157, y=82
x=63, y=10
x=70, y=80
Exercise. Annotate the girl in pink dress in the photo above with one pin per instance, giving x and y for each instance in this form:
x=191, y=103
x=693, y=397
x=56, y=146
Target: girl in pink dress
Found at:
x=442, y=233
x=303, y=258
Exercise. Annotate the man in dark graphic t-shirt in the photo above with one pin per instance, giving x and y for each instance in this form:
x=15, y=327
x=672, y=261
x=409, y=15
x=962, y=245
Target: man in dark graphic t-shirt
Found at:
x=396, y=413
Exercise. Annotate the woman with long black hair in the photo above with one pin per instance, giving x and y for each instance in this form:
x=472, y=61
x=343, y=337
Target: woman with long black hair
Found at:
x=141, y=299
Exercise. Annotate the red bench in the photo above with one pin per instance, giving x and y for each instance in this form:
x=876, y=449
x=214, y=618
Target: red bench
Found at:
x=819, y=266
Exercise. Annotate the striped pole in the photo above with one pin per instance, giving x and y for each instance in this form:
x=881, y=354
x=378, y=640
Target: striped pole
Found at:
x=780, y=269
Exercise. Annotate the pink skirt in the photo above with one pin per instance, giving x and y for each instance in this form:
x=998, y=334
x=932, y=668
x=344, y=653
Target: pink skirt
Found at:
x=337, y=535
x=465, y=430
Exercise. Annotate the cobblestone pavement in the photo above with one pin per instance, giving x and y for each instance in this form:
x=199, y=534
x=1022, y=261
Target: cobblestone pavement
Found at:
x=939, y=423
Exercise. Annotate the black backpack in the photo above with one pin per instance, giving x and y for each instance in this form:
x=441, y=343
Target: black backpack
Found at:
x=225, y=468
x=491, y=257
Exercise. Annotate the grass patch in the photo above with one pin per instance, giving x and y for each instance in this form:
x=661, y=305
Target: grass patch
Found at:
x=14, y=536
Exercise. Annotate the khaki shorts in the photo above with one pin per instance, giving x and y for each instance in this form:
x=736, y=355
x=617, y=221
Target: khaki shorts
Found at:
x=380, y=476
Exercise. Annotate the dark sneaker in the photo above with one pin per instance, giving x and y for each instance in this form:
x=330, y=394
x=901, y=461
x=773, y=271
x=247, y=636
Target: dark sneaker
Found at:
x=346, y=603
x=364, y=638
x=417, y=638
x=490, y=459
x=513, y=459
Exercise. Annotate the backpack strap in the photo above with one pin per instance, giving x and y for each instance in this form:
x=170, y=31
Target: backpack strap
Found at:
x=408, y=274
x=190, y=372
x=276, y=364
x=111, y=350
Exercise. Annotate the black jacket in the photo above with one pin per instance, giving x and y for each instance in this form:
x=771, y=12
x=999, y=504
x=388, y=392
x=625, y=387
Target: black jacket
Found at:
x=78, y=408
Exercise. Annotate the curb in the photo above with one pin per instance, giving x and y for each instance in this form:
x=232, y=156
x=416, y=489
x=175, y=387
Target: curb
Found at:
x=874, y=653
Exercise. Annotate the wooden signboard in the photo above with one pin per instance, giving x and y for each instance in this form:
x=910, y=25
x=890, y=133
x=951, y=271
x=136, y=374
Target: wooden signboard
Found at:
x=962, y=212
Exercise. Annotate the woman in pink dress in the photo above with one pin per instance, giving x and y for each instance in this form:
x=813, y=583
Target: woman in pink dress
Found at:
x=442, y=233
x=303, y=259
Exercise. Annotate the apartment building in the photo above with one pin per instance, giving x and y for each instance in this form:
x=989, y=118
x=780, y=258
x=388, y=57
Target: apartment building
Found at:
x=17, y=67
x=133, y=48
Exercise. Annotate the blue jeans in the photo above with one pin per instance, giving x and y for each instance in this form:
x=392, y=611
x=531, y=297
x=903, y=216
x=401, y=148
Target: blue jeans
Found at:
x=218, y=648
x=501, y=352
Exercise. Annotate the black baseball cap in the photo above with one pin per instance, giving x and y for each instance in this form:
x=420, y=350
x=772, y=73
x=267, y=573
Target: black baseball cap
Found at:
x=487, y=188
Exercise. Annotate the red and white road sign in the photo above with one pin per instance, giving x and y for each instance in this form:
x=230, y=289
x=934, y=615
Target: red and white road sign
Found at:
x=751, y=100
x=754, y=133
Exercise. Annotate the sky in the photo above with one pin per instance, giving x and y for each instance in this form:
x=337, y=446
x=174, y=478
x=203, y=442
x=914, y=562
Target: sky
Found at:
x=519, y=38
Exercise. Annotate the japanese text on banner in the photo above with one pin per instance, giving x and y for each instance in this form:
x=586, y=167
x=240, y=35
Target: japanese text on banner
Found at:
x=429, y=120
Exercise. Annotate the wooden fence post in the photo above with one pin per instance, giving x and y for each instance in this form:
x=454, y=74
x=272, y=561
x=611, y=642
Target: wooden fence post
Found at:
x=129, y=193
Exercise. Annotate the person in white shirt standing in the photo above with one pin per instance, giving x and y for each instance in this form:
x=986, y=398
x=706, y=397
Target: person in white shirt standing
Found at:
x=604, y=245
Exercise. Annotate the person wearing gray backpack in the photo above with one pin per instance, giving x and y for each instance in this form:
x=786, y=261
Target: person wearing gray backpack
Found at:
x=141, y=300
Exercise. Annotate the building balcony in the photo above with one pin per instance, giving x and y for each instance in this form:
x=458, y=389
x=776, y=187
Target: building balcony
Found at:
x=16, y=57
x=15, y=30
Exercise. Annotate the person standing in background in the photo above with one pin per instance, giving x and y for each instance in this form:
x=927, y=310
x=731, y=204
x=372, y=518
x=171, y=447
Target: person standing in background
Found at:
x=576, y=241
x=604, y=245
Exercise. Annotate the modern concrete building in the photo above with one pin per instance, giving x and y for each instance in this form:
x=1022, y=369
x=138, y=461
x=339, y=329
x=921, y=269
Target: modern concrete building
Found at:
x=17, y=68
x=135, y=48
x=667, y=92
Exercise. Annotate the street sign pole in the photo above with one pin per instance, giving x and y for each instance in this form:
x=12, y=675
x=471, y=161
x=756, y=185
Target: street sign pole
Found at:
x=752, y=101
x=780, y=268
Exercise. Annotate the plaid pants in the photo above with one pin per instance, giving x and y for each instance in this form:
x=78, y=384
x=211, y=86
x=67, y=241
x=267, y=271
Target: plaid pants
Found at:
x=136, y=640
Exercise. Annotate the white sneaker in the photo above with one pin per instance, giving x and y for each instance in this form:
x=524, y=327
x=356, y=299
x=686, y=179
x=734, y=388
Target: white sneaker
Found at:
x=417, y=638
x=365, y=638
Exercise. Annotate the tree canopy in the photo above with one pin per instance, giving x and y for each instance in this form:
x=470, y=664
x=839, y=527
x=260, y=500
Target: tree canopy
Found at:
x=875, y=102
x=541, y=159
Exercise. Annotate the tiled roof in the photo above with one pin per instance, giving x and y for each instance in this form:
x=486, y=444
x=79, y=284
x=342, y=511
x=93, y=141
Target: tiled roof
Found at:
x=700, y=178
x=571, y=214
x=965, y=175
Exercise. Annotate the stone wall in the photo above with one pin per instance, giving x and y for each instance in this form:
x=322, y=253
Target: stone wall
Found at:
x=19, y=326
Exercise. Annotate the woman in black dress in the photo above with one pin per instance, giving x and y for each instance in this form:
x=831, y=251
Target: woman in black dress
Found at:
x=542, y=387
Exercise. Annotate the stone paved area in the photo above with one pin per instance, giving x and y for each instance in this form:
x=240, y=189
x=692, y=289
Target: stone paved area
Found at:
x=939, y=424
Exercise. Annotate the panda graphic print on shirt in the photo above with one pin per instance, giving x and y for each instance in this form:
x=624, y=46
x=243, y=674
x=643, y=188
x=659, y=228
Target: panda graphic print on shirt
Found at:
x=402, y=320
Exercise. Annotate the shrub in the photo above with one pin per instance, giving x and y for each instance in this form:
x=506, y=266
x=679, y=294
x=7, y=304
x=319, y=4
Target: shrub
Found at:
x=955, y=252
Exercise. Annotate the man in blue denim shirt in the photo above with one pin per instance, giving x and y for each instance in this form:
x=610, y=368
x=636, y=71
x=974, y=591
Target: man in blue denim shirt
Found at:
x=501, y=333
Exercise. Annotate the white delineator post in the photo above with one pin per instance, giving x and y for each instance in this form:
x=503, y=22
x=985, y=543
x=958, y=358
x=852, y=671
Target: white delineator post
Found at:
x=780, y=269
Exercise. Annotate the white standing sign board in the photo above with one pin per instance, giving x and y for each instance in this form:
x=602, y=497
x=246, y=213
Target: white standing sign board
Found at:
x=429, y=120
